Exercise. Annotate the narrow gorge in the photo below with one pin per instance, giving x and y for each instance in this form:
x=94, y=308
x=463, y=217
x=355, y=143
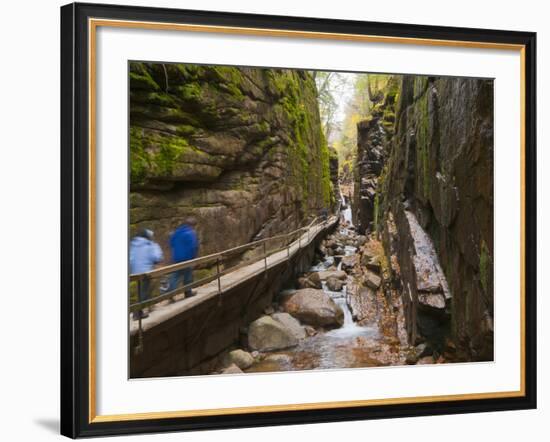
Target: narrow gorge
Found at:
x=387, y=180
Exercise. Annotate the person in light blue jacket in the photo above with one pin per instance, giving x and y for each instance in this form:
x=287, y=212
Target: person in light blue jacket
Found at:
x=144, y=255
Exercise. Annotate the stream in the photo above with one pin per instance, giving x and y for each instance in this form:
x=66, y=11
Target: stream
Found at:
x=349, y=346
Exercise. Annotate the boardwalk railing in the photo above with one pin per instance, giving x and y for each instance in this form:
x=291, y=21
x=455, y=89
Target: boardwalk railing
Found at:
x=219, y=264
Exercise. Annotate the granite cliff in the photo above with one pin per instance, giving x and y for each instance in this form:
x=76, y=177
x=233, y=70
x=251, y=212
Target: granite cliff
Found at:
x=424, y=185
x=240, y=149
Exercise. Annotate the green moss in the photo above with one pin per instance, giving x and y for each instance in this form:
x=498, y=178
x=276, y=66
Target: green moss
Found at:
x=138, y=157
x=485, y=263
x=163, y=161
x=376, y=211
x=190, y=91
x=420, y=85
x=147, y=97
x=185, y=130
x=142, y=80
x=154, y=155
x=392, y=90
x=327, y=188
x=291, y=89
x=190, y=72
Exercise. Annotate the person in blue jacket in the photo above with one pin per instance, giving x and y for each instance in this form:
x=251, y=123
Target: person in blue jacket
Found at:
x=144, y=255
x=185, y=246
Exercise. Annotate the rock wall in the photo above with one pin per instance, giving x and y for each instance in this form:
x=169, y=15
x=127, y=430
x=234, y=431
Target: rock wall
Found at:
x=333, y=167
x=241, y=149
x=428, y=192
x=374, y=136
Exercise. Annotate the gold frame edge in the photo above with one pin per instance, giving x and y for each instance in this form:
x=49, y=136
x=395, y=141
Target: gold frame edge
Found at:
x=93, y=23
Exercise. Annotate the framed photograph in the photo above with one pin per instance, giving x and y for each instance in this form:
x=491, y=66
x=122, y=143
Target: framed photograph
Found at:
x=275, y=220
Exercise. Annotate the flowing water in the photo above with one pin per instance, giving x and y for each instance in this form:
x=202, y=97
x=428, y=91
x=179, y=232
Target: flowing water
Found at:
x=346, y=211
x=349, y=346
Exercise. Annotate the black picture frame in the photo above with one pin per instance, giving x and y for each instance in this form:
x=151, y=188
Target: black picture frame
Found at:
x=76, y=403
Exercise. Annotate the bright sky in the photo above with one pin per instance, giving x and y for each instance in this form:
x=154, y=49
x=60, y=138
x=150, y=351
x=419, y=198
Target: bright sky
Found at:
x=344, y=94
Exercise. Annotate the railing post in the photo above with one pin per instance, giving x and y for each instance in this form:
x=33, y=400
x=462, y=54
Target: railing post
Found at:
x=218, y=274
x=288, y=242
x=265, y=258
x=139, y=283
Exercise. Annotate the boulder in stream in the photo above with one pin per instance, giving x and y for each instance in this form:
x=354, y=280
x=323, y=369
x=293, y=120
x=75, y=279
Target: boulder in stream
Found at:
x=314, y=307
x=371, y=280
x=232, y=369
x=267, y=334
x=291, y=324
x=340, y=274
x=373, y=264
x=348, y=262
x=240, y=358
x=311, y=281
x=334, y=284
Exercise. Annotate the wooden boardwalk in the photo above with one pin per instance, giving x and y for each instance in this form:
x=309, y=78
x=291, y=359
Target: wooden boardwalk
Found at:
x=166, y=310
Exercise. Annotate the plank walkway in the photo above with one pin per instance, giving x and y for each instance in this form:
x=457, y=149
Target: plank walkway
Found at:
x=166, y=309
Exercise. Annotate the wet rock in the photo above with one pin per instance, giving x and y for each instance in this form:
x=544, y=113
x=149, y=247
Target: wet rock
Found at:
x=313, y=281
x=365, y=258
x=423, y=349
x=412, y=357
x=285, y=294
x=348, y=262
x=362, y=302
x=339, y=274
x=310, y=330
x=240, y=358
x=361, y=240
x=314, y=277
x=267, y=334
x=372, y=281
x=305, y=283
x=291, y=324
x=334, y=284
x=278, y=358
x=433, y=300
x=373, y=264
x=232, y=369
x=450, y=346
x=314, y=307
x=426, y=360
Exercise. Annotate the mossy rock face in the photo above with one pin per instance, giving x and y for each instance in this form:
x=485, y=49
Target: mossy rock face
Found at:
x=374, y=135
x=440, y=164
x=241, y=149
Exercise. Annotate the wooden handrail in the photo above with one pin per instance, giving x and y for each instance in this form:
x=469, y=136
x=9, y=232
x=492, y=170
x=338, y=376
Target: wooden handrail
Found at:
x=217, y=257
x=203, y=259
